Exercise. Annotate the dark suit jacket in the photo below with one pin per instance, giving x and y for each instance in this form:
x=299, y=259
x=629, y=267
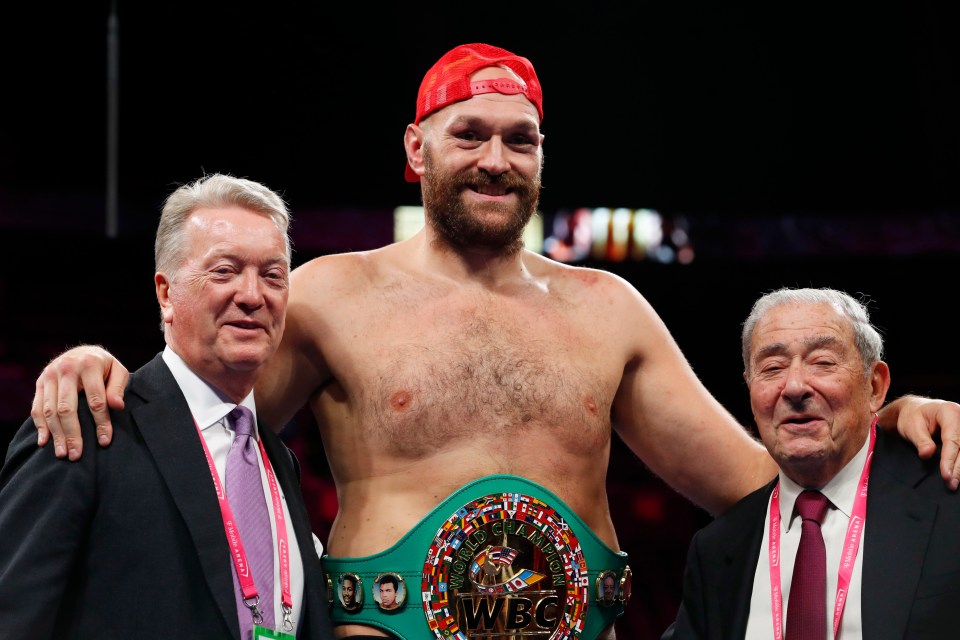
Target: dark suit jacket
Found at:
x=128, y=541
x=911, y=556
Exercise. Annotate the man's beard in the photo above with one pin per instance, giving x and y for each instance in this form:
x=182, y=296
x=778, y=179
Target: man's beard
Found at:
x=463, y=225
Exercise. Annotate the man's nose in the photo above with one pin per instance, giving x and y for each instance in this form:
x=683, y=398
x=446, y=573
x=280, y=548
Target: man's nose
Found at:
x=493, y=157
x=795, y=387
x=249, y=289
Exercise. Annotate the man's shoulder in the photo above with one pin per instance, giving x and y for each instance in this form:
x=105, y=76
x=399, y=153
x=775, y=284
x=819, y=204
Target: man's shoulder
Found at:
x=344, y=262
x=23, y=445
x=897, y=458
x=154, y=385
x=337, y=275
x=151, y=377
x=754, y=500
x=585, y=278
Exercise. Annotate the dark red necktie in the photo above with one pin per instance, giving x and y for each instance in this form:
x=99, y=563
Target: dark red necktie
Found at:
x=807, y=608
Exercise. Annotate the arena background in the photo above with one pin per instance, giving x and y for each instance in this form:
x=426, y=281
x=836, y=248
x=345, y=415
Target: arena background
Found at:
x=794, y=145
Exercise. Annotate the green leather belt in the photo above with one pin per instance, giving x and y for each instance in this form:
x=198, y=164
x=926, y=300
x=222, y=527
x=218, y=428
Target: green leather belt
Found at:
x=501, y=555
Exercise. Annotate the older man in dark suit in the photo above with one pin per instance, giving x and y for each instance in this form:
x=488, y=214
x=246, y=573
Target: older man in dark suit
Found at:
x=876, y=554
x=147, y=539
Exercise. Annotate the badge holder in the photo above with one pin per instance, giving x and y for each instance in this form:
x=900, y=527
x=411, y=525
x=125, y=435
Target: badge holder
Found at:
x=263, y=633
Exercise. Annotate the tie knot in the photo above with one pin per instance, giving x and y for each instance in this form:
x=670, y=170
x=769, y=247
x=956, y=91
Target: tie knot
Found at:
x=242, y=419
x=812, y=505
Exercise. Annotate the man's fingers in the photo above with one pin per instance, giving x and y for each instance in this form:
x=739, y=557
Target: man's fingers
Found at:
x=916, y=427
x=39, y=418
x=50, y=410
x=116, y=386
x=925, y=446
x=69, y=439
x=950, y=464
x=100, y=399
x=115, y=394
x=54, y=407
x=950, y=454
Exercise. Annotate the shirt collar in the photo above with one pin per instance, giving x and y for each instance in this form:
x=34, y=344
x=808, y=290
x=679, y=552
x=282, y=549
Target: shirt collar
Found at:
x=841, y=491
x=207, y=404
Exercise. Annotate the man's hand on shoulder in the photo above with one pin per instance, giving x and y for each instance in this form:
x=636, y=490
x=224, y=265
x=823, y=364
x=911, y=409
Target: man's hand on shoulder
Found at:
x=917, y=418
x=54, y=411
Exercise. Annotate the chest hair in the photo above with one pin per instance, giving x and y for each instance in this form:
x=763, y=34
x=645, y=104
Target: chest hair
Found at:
x=483, y=377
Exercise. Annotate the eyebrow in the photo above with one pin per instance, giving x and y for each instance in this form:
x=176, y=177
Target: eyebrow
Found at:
x=232, y=254
x=810, y=344
x=471, y=121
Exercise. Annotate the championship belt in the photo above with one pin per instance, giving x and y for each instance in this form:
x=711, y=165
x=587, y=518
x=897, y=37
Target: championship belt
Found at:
x=501, y=557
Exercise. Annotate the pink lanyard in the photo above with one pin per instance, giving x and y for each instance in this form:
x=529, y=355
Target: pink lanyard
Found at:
x=239, y=556
x=853, y=536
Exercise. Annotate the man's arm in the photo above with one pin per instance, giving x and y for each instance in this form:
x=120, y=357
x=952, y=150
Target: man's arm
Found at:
x=54, y=409
x=667, y=417
x=298, y=368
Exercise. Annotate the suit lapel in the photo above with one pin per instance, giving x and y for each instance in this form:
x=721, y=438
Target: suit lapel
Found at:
x=898, y=531
x=170, y=434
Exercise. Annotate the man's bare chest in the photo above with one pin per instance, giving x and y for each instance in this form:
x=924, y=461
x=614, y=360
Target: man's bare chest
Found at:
x=484, y=376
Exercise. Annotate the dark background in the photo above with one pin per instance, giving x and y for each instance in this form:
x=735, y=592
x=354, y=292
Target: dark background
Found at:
x=800, y=144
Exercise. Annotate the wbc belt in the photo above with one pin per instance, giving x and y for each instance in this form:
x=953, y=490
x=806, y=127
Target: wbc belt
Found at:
x=500, y=557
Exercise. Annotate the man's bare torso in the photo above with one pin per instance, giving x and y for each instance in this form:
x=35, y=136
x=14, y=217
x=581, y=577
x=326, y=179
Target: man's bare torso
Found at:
x=433, y=382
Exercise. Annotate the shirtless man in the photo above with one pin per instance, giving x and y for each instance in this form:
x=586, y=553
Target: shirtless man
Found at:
x=457, y=370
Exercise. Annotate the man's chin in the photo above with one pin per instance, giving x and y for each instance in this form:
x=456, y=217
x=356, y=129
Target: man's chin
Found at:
x=246, y=358
x=802, y=458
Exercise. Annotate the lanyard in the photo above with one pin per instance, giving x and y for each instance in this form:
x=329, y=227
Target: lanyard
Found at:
x=858, y=517
x=244, y=576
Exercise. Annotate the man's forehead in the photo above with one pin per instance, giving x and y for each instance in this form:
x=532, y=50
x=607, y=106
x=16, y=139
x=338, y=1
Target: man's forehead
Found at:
x=510, y=110
x=804, y=343
x=801, y=316
x=806, y=324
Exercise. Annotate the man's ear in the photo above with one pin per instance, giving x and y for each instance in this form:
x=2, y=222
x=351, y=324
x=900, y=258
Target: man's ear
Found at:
x=413, y=144
x=879, y=384
x=162, y=284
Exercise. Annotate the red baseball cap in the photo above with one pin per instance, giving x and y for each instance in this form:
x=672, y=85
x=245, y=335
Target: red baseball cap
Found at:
x=448, y=81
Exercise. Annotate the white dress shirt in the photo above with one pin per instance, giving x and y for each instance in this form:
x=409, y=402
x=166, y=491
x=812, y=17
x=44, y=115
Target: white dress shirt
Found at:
x=210, y=409
x=841, y=491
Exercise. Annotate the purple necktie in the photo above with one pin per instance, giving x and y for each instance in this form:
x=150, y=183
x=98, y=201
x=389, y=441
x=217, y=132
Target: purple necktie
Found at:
x=245, y=494
x=807, y=609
